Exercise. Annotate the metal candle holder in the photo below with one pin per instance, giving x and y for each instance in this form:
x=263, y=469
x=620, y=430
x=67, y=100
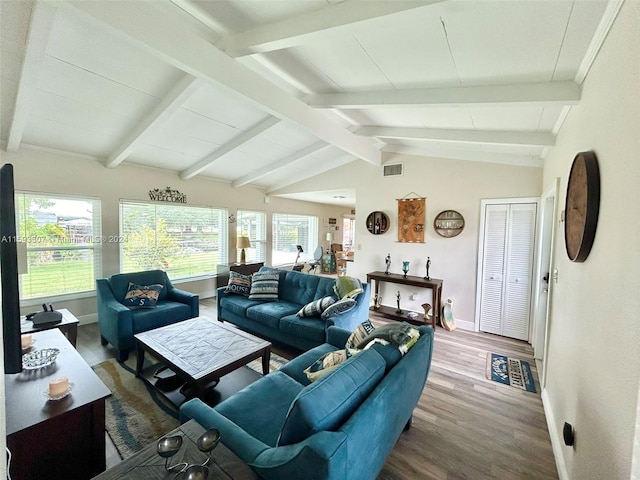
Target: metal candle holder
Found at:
x=167, y=447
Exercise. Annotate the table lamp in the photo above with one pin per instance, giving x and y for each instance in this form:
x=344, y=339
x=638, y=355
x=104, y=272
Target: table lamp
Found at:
x=329, y=239
x=243, y=242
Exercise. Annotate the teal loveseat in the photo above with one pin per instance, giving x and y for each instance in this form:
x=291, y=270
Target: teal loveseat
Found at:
x=343, y=426
x=277, y=320
x=118, y=323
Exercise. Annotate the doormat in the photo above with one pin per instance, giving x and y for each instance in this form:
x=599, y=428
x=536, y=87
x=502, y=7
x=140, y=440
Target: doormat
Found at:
x=510, y=371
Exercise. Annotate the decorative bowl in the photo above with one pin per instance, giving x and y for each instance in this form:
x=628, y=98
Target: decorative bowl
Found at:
x=39, y=358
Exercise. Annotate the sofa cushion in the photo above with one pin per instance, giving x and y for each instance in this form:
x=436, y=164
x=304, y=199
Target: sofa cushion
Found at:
x=316, y=307
x=300, y=287
x=165, y=313
x=264, y=285
x=327, y=403
x=119, y=282
x=261, y=408
x=270, y=313
x=339, y=307
x=237, y=304
x=142, y=296
x=239, y=284
x=312, y=328
x=295, y=368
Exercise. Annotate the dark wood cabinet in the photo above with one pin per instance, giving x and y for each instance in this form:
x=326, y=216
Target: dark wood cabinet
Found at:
x=222, y=275
x=64, y=438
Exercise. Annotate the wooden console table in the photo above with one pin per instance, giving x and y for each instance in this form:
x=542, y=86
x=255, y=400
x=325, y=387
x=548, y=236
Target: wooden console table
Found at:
x=56, y=439
x=222, y=275
x=390, y=312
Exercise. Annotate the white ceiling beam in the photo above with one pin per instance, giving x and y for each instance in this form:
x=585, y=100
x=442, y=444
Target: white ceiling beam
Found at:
x=166, y=38
x=171, y=102
x=548, y=93
x=471, y=155
x=235, y=142
x=330, y=20
x=495, y=137
x=311, y=172
x=42, y=17
x=279, y=164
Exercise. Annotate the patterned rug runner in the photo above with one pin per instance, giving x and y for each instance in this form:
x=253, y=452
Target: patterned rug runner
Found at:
x=510, y=371
x=136, y=413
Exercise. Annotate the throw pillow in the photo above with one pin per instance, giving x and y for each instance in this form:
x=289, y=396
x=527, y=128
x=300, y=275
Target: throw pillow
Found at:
x=338, y=307
x=349, y=287
x=139, y=296
x=315, y=308
x=356, y=337
x=264, y=285
x=239, y=284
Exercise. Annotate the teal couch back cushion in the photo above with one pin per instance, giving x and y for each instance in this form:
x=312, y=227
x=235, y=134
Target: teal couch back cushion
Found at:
x=299, y=288
x=120, y=282
x=327, y=403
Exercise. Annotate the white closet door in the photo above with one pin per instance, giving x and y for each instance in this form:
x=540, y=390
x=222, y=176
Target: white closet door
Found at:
x=493, y=263
x=507, y=268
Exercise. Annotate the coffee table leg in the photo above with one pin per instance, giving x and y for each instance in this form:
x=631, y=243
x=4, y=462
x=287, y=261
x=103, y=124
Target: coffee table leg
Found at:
x=265, y=361
x=139, y=360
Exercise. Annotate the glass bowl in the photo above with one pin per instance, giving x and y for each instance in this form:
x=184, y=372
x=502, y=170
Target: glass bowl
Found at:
x=39, y=358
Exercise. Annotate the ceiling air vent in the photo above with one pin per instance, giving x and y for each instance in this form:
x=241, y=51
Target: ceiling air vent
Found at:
x=392, y=169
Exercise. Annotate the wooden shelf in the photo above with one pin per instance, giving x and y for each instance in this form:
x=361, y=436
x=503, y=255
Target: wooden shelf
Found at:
x=391, y=312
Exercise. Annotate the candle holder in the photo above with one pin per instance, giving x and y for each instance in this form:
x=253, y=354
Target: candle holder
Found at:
x=405, y=268
x=167, y=447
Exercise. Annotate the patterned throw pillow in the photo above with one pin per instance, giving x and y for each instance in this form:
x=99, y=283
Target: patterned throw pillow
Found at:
x=340, y=306
x=347, y=287
x=239, y=284
x=315, y=308
x=139, y=296
x=264, y=285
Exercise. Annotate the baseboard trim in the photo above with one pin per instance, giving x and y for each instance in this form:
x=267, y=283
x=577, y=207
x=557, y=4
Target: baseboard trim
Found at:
x=465, y=325
x=557, y=443
x=86, y=319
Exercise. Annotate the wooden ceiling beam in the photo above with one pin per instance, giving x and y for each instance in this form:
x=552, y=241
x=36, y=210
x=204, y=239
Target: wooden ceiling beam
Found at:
x=330, y=20
x=541, y=94
x=320, y=167
x=495, y=137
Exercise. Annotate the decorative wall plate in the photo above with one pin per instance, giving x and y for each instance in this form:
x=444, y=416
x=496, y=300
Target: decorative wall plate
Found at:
x=582, y=206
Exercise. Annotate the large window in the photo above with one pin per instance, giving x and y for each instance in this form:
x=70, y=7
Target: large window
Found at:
x=184, y=241
x=253, y=225
x=289, y=231
x=63, y=244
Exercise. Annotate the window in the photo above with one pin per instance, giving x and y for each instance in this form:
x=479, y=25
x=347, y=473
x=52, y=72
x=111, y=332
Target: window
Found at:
x=292, y=230
x=184, y=241
x=348, y=233
x=64, y=244
x=253, y=225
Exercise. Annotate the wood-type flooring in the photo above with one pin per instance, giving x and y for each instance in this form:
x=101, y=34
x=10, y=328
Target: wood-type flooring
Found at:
x=464, y=427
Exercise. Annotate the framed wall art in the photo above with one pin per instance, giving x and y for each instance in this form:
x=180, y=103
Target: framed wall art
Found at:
x=411, y=219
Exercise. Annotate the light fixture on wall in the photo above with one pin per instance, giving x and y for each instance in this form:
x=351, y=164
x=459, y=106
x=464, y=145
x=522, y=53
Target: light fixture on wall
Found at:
x=243, y=242
x=329, y=239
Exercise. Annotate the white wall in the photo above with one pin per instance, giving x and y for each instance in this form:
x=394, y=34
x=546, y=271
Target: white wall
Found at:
x=448, y=185
x=42, y=171
x=593, y=366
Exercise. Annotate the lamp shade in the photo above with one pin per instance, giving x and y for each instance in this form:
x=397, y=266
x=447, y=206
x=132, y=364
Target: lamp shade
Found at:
x=243, y=242
x=329, y=237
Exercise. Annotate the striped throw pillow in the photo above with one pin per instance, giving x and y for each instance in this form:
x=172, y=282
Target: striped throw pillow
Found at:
x=315, y=308
x=264, y=286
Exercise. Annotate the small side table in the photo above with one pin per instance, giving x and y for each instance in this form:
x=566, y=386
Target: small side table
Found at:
x=147, y=464
x=68, y=326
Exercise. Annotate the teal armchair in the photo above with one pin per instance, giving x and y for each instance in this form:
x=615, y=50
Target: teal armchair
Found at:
x=118, y=323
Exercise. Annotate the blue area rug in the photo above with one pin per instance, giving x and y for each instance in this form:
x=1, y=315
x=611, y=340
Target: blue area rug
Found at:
x=510, y=371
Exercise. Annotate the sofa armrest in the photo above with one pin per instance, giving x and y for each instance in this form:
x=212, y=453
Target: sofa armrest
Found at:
x=337, y=336
x=182, y=296
x=114, y=319
x=350, y=319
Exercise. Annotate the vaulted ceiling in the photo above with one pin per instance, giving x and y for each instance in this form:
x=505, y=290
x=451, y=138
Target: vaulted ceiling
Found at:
x=267, y=93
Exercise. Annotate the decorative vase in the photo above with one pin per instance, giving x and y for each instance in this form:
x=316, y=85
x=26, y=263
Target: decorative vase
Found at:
x=405, y=268
x=427, y=308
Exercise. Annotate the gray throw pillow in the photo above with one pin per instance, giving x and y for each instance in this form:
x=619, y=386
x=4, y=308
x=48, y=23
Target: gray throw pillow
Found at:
x=339, y=307
x=315, y=308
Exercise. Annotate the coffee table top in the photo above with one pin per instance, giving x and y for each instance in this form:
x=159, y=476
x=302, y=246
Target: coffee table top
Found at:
x=148, y=465
x=202, y=347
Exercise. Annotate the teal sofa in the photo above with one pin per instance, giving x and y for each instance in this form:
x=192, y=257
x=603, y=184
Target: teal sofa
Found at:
x=343, y=426
x=277, y=320
x=118, y=323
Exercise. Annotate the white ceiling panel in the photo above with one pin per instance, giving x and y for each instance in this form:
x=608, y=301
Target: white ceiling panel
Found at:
x=106, y=82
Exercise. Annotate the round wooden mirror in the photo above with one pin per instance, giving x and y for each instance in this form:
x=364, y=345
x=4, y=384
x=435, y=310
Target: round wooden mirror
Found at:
x=377, y=223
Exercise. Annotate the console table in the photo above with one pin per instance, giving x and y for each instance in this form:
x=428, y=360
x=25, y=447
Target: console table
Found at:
x=222, y=275
x=68, y=326
x=61, y=439
x=390, y=312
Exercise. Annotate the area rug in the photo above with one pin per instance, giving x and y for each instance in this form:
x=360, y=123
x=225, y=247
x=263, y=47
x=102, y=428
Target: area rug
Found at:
x=136, y=414
x=510, y=371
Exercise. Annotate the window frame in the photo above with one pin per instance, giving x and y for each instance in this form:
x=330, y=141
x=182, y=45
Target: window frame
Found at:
x=308, y=246
x=257, y=235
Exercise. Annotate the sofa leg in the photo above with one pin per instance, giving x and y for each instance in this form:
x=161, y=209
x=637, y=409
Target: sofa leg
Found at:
x=122, y=355
x=408, y=424
x=103, y=341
